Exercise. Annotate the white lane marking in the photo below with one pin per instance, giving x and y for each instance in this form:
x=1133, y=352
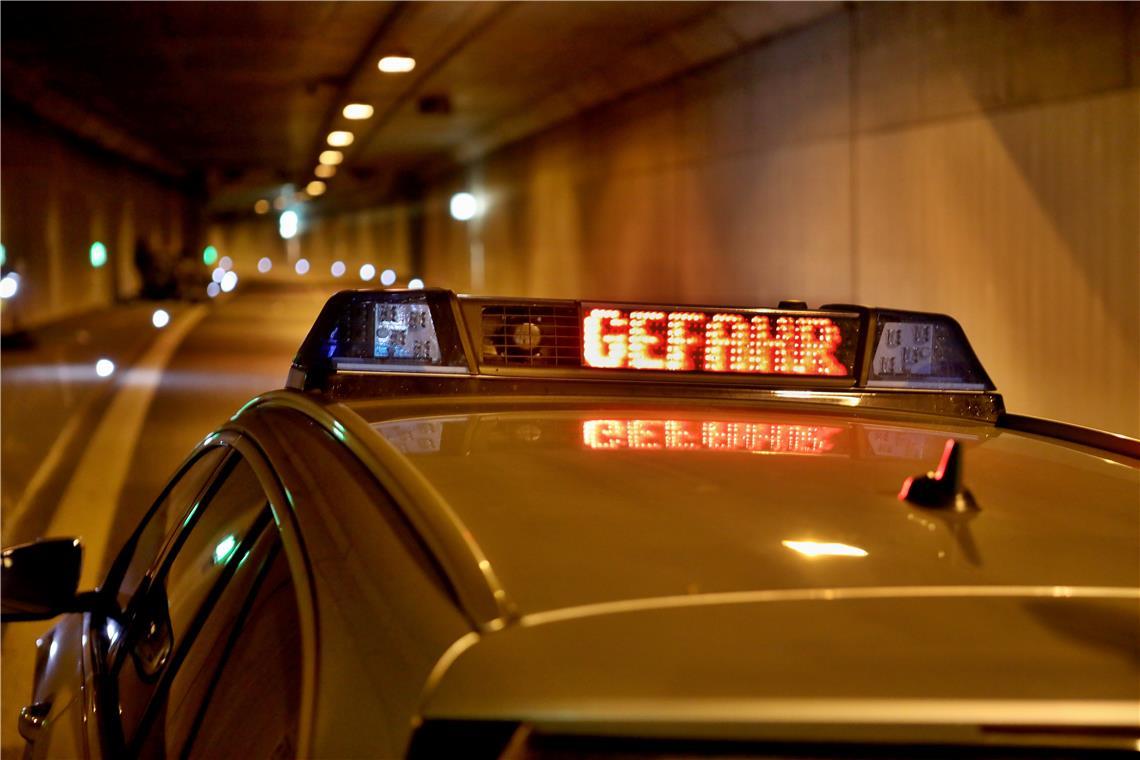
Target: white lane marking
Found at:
x=91, y=500
x=48, y=466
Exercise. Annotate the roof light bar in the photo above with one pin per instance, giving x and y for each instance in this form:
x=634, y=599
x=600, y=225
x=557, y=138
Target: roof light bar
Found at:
x=840, y=349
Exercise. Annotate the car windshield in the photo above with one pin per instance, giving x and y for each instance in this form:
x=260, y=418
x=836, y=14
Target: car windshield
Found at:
x=595, y=505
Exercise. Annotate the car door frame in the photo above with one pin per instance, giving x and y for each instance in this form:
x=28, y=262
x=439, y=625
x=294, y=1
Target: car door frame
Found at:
x=103, y=737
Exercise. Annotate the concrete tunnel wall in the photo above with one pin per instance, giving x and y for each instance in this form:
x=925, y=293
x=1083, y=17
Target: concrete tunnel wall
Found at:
x=58, y=195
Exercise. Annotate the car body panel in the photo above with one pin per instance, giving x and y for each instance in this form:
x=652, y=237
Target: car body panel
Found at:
x=781, y=660
x=62, y=681
x=567, y=519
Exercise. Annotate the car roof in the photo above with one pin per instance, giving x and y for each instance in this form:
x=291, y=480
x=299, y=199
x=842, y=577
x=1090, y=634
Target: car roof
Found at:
x=582, y=503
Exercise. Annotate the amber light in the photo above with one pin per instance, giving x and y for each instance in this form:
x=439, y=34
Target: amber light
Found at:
x=708, y=435
x=686, y=341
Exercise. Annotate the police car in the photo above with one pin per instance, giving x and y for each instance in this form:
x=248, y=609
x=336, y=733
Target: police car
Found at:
x=476, y=527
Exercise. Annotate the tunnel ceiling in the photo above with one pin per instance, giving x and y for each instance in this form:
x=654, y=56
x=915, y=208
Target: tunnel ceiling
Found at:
x=243, y=95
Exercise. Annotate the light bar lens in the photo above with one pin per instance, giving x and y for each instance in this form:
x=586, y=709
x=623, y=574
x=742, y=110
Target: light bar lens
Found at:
x=923, y=351
x=698, y=340
x=388, y=331
x=405, y=331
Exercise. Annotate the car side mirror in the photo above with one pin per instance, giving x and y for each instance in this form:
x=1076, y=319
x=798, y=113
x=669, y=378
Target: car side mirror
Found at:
x=40, y=580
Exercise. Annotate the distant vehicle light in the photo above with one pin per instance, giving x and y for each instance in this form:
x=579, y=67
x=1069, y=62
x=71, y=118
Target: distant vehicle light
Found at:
x=287, y=224
x=98, y=254
x=302, y=266
x=213, y=289
x=713, y=341
x=217, y=274
x=209, y=255
x=338, y=269
x=357, y=111
x=387, y=277
x=415, y=284
x=264, y=264
x=367, y=272
x=464, y=206
x=261, y=207
x=340, y=138
x=396, y=64
x=325, y=171
x=9, y=286
x=104, y=368
x=315, y=188
x=229, y=282
x=330, y=157
x=160, y=318
x=824, y=549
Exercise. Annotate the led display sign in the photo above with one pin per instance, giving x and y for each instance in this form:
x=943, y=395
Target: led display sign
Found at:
x=696, y=340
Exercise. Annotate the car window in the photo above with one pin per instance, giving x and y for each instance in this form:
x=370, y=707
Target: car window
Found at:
x=173, y=714
x=163, y=618
x=253, y=707
x=143, y=549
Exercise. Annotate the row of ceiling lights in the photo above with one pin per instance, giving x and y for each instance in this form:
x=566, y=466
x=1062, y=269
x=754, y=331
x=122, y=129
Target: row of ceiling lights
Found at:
x=330, y=159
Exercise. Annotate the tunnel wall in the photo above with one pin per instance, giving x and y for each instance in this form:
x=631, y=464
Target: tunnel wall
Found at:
x=976, y=159
x=58, y=195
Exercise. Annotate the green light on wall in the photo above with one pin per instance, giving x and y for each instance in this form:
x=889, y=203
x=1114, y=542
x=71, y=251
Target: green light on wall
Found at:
x=209, y=255
x=98, y=254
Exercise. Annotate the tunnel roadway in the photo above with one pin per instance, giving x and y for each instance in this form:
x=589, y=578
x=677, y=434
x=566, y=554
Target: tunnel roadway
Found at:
x=86, y=456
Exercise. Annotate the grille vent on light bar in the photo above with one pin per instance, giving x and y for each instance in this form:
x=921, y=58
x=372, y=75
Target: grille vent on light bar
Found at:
x=531, y=336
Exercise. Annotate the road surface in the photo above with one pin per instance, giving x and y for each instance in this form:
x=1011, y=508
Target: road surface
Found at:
x=84, y=455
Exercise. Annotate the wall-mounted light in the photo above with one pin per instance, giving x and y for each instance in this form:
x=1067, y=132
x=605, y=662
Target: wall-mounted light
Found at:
x=464, y=206
x=357, y=111
x=415, y=284
x=98, y=254
x=396, y=64
x=261, y=207
x=325, y=171
x=330, y=157
x=315, y=188
x=387, y=277
x=264, y=264
x=340, y=138
x=338, y=269
x=367, y=272
x=287, y=224
x=9, y=285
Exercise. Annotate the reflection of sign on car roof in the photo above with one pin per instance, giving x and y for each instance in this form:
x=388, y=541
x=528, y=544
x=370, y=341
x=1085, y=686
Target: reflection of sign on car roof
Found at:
x=709, y=435
x=906, y=444
x=416, y=437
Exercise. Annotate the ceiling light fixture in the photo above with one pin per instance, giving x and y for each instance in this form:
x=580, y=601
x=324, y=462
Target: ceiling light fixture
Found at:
x=396, y=64
x=357, y=111
x=330, y=157
x=340, y=139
